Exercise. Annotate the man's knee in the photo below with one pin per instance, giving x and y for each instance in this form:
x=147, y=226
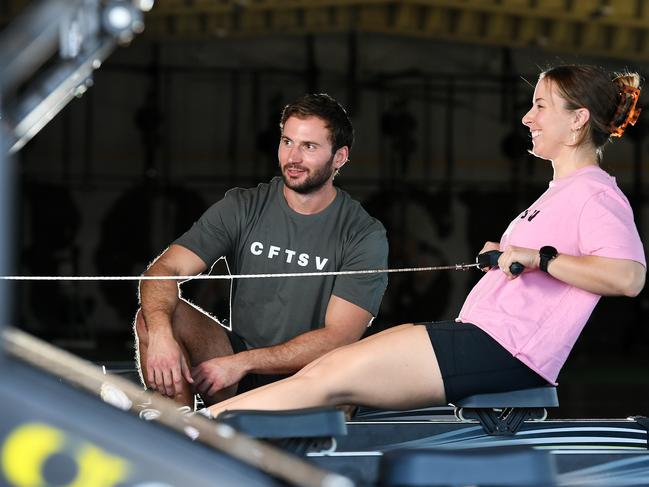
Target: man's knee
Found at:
x=183, y=315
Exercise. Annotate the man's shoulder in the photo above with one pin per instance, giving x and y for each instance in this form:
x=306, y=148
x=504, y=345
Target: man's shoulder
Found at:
x=261, y=192
x=357, y=212
x=253, y=191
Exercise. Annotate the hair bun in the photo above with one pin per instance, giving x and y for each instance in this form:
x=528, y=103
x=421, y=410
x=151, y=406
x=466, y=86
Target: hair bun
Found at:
x=627, y=111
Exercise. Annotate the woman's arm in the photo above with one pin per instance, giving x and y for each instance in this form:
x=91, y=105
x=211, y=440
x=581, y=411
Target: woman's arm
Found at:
x=599, y=275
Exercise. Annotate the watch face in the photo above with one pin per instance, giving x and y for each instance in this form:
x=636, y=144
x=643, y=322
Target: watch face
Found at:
x=548, y=252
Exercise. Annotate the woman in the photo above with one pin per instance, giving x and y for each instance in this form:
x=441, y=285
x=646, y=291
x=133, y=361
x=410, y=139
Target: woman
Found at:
x=577, y=242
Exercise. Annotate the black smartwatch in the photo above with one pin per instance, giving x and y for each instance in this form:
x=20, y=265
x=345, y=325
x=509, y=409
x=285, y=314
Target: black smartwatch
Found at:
x=546, y=254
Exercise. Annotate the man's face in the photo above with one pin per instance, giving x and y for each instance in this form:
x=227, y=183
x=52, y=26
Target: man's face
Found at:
x=304, y=154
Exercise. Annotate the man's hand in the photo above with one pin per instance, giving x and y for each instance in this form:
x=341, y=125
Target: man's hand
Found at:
x=166, y=365
x=218, y=373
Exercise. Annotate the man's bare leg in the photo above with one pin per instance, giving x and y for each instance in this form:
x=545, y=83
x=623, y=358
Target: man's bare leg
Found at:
x=200, y=337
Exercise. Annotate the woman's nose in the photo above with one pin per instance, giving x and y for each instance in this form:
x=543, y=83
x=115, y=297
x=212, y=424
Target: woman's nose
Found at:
x=527, y=119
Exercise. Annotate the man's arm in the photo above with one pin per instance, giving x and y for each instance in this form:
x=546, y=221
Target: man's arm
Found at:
x=345, y=323
x=165, y=363
x=159, y=298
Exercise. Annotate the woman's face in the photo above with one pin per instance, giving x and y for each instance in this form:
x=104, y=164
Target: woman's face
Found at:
x=551, y=124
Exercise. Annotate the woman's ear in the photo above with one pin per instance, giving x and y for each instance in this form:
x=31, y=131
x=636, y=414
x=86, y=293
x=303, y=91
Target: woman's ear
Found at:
x=582, y=115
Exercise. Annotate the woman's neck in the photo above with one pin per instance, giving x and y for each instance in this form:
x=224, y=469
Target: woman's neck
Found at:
x=574, y=160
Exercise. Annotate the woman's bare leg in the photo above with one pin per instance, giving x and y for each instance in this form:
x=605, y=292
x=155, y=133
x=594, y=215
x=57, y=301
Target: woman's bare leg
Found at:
x=396, y=369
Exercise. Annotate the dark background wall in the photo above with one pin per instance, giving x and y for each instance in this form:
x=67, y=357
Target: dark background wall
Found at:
x=171, y=123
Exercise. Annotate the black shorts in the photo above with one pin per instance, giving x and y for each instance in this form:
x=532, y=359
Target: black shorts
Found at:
x=251, y=381
x=471, y=362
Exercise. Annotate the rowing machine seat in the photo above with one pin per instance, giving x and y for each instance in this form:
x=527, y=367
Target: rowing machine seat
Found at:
x=503, y=413
x=503, y=466
x=297, y=430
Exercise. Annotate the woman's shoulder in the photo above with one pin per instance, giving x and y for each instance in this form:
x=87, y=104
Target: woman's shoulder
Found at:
x=593, y=180
x=598, y=188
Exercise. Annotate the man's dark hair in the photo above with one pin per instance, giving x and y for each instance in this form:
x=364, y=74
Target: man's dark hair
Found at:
x=325, y=107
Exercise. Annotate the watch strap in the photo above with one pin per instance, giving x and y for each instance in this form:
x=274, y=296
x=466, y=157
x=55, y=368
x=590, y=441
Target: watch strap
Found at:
x=546, y=254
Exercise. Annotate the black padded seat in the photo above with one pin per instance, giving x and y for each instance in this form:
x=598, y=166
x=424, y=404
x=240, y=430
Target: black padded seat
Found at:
x=504, y=413
x=502, y=466
x=537, y=397
x=293, y=423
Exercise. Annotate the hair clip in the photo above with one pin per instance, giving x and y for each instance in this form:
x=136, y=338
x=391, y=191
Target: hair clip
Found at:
x=629, y=105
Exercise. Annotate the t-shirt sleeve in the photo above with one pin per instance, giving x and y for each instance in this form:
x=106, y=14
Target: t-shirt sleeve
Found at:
x=214, y=234
x=607, y=229
x=370, y=252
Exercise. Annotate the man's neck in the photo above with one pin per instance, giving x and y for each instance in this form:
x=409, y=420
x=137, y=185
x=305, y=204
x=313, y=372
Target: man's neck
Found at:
x=311, y=203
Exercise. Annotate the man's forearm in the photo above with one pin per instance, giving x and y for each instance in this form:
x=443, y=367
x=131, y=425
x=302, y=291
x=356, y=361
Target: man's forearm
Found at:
x=291, y=356
x=158, y=299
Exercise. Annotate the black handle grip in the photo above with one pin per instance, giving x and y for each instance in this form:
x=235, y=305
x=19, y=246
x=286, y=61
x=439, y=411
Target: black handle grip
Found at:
x=490, y=259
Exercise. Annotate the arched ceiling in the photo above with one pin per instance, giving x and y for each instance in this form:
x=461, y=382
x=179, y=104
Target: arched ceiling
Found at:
x=611, y=28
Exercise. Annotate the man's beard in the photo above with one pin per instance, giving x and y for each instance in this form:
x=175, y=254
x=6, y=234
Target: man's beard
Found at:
x=314, y=180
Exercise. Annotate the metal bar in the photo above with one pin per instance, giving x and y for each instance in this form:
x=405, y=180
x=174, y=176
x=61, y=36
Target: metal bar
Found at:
x=6, y=227
x=32, y=39
x=55, y=90
x=77, y=36
x=89, y=377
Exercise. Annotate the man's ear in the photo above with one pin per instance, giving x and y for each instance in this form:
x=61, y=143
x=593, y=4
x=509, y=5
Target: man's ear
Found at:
x=341, y=157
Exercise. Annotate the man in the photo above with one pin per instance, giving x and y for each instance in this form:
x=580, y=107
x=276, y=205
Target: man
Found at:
x=297, y=223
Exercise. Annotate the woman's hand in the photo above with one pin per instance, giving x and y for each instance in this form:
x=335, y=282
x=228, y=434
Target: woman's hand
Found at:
x=488, y=247
x=528, y=258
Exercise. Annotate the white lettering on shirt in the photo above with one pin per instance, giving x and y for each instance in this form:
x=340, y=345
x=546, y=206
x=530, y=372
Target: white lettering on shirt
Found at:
x=273, y=251
x=303, y=259
x=256, y=248
x=320, y=263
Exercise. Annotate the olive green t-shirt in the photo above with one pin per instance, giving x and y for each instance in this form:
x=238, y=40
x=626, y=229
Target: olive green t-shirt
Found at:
x=258, y=233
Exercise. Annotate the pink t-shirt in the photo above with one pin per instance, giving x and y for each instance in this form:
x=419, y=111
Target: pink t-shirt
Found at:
x=536, y=317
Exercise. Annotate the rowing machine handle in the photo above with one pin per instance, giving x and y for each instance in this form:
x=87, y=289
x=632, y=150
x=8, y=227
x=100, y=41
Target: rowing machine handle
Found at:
x=490, y=259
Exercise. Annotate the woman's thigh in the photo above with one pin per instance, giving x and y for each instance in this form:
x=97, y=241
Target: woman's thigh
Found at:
x=395, y=369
